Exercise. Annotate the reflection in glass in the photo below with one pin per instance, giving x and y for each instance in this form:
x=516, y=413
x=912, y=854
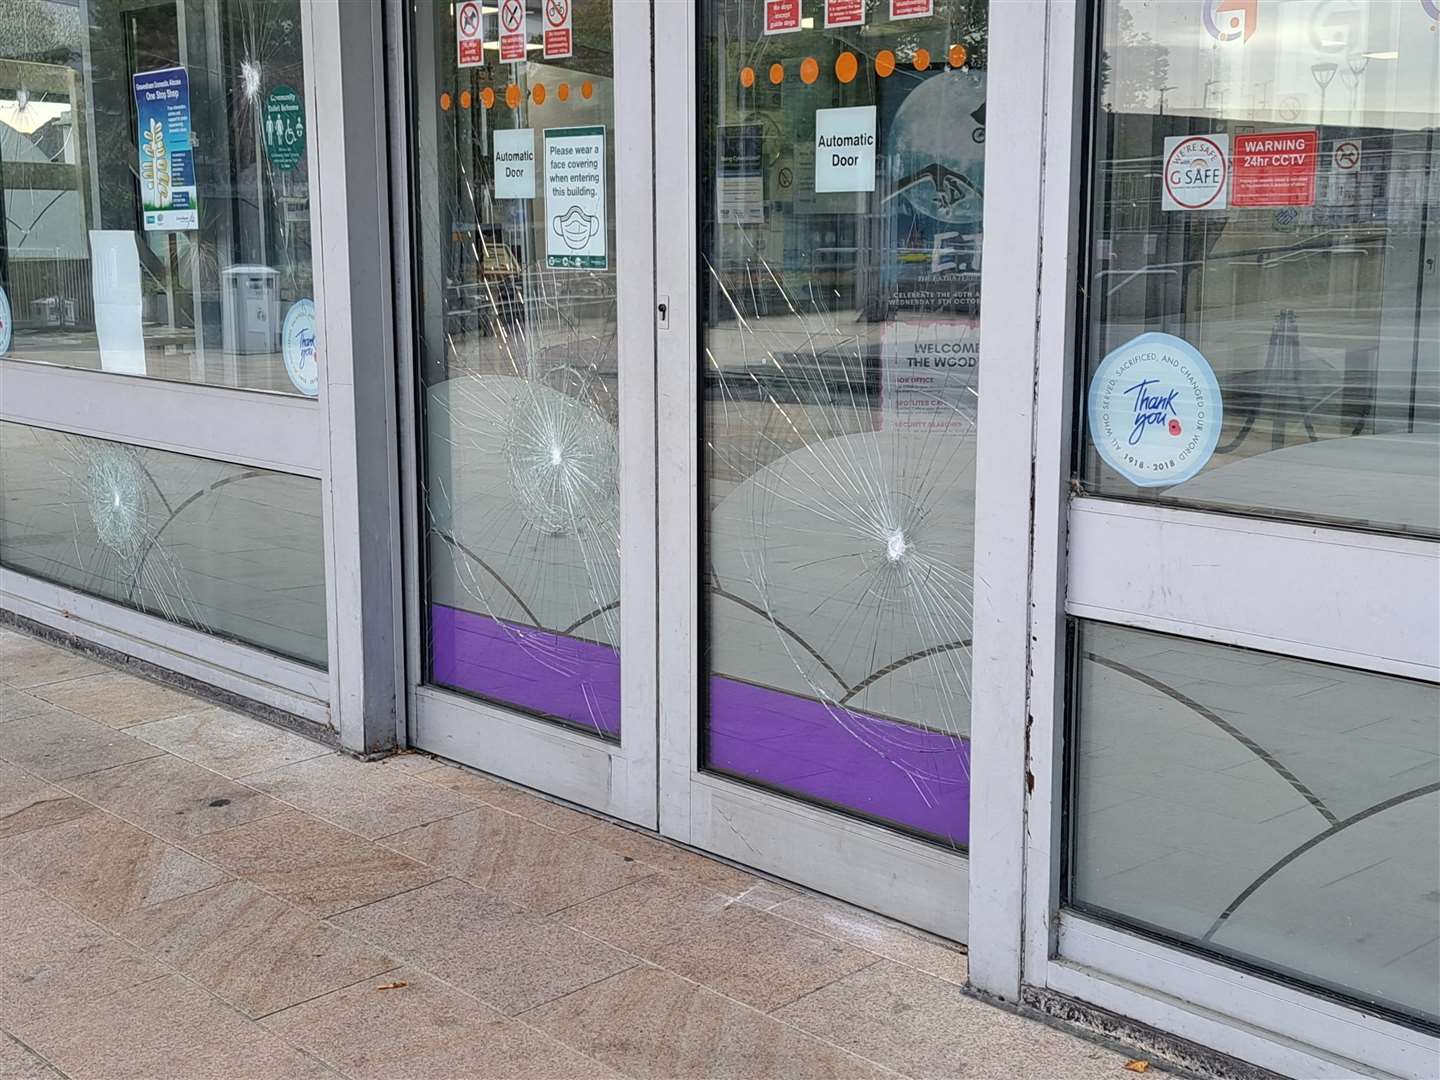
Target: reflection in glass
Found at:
x=224, y=548
x=515, y=269
x=840, y=370
x=1314, y=294
x=1275, y=811
x=94, y=274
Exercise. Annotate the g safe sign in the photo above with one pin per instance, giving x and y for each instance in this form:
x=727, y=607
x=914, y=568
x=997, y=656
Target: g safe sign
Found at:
x=845, y=149
x=1154, y=410
x=515, y=163
x=1196, y=172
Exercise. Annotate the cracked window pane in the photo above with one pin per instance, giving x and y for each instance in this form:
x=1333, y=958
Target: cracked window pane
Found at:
x=228, y=549
x=841, y=361
x=1310, y=286
x=1277, y=812
x=156, y=192
x=515, y=274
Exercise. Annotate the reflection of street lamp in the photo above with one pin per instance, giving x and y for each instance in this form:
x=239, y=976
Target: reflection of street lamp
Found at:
x=1355, y=65
x=1324, y=75
x=1163, y=91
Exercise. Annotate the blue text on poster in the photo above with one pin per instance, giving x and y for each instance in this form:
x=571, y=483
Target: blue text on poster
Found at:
x=167, y=164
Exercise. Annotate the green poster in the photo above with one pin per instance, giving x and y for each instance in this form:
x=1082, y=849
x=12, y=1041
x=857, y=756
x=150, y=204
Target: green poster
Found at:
x=284, y=128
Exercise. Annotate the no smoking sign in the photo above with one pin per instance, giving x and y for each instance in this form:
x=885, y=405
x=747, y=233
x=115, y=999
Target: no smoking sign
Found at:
x=558, y=29
x=1346, y=156
x=512, y=31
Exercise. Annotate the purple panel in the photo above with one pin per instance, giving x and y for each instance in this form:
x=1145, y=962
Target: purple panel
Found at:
x=881, y=768
x=538, y=670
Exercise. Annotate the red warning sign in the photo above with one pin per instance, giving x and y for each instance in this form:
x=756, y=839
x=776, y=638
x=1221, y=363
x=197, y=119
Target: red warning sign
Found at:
x=559, y=38
x=469, y=39
x=512, y=31
x=782, y=16
x=844, y=13
x=1276, y=168
x=911, y=9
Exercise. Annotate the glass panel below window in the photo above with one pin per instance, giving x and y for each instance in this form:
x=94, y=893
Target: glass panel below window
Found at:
x=228, y=549
x=1274, y=812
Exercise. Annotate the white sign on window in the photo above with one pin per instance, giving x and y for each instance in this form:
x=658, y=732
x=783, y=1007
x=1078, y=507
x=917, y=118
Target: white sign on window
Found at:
x=1196, y=172
x=515, y=163
x=575, y=198
x=845, y=149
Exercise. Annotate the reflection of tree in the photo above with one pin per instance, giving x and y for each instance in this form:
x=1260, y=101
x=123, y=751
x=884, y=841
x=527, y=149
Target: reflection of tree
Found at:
x=36, y=31
x=1143, y=68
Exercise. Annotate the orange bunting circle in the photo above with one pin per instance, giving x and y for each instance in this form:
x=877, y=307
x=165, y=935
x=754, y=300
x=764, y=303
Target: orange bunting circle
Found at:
x=884, y=63
x=922, y=59
x=809, y=70
x=846, y=67
x=747, y=77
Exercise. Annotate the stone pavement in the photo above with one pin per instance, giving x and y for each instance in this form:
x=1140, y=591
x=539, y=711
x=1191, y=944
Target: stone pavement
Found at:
x=188, y=893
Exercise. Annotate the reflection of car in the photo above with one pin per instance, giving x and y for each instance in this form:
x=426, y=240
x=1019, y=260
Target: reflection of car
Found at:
x=494, y=296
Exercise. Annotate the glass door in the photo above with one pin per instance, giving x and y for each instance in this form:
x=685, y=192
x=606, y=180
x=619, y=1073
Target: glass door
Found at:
x=1251, y=750
x=819, y=389
x=530, y=179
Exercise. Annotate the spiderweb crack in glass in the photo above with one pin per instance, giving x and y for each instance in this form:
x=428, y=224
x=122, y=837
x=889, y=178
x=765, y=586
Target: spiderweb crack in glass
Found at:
x=522, y=487
x=851, y=541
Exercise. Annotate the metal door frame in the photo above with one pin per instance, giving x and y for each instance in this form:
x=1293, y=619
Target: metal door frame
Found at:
x=615, y=779
x=1085, y=555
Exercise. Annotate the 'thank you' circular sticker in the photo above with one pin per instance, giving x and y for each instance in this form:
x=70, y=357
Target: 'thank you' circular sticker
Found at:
x=300, y=349
x=6, y=330
x=1155, y=410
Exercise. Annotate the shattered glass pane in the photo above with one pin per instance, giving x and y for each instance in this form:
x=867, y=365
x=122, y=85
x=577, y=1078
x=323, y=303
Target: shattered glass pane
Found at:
x=156, y=191
x=228, y=549
x=841, y=360
x=515, y=271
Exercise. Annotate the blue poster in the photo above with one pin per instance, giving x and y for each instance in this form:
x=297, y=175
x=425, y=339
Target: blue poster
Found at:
x=932, y=130
x=167, y=166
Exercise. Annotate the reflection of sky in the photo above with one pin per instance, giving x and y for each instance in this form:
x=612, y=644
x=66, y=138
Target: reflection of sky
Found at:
x=1269, y=76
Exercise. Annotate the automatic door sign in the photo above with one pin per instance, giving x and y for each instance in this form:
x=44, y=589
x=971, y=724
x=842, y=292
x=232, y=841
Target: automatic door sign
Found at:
x=845, y=149
x=911, y=9
x=1276, y=168
x=1196, y=172
x=300, y=349
x=840, y=13
x=469, y=35
x=512, y=31
x=575, y=234
x=284, y=128
x=1345, y=158
x=559, y=38
x=1154, y=409
x=515, y=163
x=782, y=16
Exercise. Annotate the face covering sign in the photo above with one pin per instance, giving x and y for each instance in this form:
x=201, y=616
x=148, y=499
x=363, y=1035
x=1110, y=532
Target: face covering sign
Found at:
x=167, y=165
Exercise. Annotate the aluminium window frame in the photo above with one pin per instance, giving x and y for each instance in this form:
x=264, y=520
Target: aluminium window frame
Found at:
x=316, y=438
x=1085, y=555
